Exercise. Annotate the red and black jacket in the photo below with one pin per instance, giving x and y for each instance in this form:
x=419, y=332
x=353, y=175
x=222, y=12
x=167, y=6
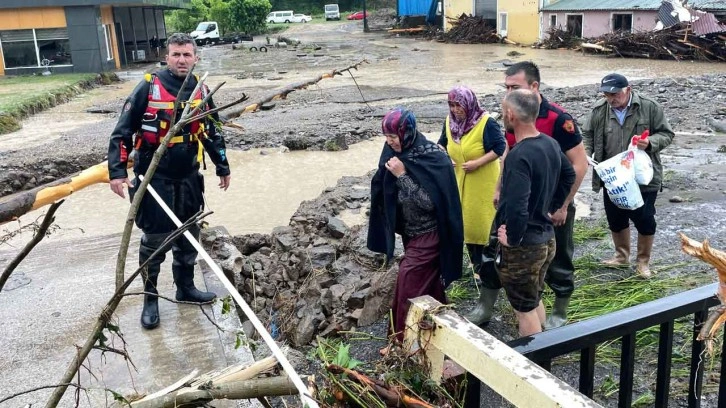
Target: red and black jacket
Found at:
x=556, y=123
x=146, y=115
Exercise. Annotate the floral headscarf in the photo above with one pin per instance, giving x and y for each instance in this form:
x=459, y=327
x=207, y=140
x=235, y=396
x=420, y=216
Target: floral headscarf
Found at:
x=401, y=122
x=467, y=99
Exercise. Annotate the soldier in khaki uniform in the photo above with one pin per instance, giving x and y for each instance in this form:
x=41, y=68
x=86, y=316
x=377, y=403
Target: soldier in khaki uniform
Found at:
x=614, y=120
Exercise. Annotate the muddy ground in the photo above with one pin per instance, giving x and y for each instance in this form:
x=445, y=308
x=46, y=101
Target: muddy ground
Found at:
x=417, y=74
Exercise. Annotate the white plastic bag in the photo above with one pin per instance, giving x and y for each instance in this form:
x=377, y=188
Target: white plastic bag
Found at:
x=642, y=165
x=618, y=175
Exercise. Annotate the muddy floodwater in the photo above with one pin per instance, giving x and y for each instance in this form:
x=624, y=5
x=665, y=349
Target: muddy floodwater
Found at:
x=267, y=187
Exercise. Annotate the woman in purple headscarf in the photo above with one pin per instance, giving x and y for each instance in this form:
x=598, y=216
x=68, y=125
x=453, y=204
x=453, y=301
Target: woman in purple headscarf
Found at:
x=414, y=194
x=474, y=142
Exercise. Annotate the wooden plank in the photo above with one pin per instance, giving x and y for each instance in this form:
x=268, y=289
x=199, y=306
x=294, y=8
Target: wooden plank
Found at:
x=511, y=375
x=406, y=30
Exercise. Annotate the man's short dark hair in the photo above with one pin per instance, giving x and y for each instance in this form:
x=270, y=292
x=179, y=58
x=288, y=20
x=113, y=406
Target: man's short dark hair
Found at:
x=524, y=103
x=530, y=69
x=181, y=39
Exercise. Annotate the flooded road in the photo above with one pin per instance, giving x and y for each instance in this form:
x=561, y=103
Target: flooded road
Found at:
x=267, y=187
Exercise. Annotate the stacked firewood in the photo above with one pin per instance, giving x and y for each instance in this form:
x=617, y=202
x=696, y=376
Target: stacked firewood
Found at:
x=466, y=30
x=559, y=38
x=677, y=42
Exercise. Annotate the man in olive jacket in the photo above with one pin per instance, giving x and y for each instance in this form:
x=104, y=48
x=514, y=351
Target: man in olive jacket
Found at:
x=614, y=120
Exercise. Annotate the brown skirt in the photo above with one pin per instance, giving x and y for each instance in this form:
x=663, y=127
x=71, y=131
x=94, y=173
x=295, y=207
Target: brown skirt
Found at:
x=418, y=275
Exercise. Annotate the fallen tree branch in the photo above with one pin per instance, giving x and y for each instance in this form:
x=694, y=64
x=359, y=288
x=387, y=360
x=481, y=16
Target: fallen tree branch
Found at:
x=282, y=94
x=43, y=387
x=256, y=388
x=392, y=397
x=37, y=237
x=235, y=382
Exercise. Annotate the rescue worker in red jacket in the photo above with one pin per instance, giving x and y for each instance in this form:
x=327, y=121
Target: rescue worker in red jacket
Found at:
x=558, y=124
x=143, y=123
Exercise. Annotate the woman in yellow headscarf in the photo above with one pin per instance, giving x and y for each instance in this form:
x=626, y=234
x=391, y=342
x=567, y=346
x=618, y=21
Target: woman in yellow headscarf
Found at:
x=474, y=142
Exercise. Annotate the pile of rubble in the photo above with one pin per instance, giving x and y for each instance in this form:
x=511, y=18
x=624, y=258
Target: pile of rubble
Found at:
x=678, y=42
x=314, y=276
x=466, y=30
x=558, y=38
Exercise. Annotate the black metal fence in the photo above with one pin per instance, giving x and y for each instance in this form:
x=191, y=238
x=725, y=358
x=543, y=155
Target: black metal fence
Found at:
x=624, y=324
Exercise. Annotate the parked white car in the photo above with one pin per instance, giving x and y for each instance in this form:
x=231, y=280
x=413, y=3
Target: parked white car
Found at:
x=280, y=17
x=301, y=18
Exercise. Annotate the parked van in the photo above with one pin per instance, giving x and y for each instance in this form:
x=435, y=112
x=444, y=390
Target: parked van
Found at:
x=332, y=12
x=280, y=17
x=206, y=32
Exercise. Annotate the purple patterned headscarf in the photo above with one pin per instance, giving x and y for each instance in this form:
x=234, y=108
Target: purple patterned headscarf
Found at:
x=466, y=98
x=400, y=122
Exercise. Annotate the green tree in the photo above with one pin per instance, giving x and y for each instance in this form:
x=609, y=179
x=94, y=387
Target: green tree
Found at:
x=219, y=11
x=249, y=15
x=186, y=20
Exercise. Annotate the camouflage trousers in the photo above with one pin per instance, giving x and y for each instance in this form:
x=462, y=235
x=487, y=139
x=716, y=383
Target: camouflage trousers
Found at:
x=522, y=272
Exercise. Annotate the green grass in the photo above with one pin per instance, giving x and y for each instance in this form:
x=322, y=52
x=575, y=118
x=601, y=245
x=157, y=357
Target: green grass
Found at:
x=584, y=231
x=21, y=96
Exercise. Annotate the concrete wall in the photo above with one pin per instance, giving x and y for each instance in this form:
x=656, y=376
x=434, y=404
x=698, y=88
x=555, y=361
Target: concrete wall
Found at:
x=522, y=20
x=597, y=23
x=88, y=42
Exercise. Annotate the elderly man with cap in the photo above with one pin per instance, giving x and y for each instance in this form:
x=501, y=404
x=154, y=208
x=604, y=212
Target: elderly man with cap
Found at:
x=614, y=120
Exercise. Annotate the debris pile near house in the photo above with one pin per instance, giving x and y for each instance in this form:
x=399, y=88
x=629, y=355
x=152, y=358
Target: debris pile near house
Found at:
x=314, y=276
x=466, y=30
x=682, y=33
x=559, y=38
x=678, y=42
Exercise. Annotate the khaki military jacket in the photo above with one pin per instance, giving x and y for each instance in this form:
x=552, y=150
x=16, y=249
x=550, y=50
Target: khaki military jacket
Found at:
x=603, y=135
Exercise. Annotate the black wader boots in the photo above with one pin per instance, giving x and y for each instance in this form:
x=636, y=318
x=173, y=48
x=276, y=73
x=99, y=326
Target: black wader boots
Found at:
x=150, y=275
x=183, y=269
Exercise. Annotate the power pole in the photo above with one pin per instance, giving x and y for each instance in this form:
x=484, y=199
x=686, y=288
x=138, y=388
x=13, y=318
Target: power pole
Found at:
x=365, y=18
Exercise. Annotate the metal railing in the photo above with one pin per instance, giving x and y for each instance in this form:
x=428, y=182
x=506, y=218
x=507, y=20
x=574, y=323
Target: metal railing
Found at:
x=624, y=324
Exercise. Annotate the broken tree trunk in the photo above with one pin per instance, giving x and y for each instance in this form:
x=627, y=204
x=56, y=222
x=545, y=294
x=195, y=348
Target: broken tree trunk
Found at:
x=717, y=259
x=15, y=205
x=235, y=382
x=282, y=94
x=237, y=390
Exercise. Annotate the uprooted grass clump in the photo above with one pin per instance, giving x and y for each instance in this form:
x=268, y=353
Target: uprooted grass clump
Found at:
x=396, y=376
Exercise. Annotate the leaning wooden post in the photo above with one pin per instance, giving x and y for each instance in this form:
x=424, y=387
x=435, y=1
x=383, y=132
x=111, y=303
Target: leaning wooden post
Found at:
x=508, y=373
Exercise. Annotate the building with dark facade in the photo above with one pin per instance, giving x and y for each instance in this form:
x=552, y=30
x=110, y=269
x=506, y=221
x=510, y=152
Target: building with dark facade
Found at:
x=79, y=35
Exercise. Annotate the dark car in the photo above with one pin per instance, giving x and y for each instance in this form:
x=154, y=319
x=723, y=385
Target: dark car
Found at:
x=358, y=15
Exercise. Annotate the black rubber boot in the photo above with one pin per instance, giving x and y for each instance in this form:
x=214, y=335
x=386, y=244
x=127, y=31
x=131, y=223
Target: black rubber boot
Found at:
x=183, y=269
x=150, y=313
x=185, y=289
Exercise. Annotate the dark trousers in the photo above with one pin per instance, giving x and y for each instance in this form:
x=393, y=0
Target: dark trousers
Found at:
x=560, y=275
x=488, y=271
x=418, y=275
x=643, y=218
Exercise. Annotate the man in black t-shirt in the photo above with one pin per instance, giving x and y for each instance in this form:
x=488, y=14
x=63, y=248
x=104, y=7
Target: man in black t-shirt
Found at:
x=536, y=181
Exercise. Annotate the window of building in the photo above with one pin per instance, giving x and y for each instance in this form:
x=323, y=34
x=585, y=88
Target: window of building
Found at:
x=19, y=48
x=35, y=48
x=623, y=22
x=503, y=21
x=553, y=20
x=107, y=36
x=54, y=48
